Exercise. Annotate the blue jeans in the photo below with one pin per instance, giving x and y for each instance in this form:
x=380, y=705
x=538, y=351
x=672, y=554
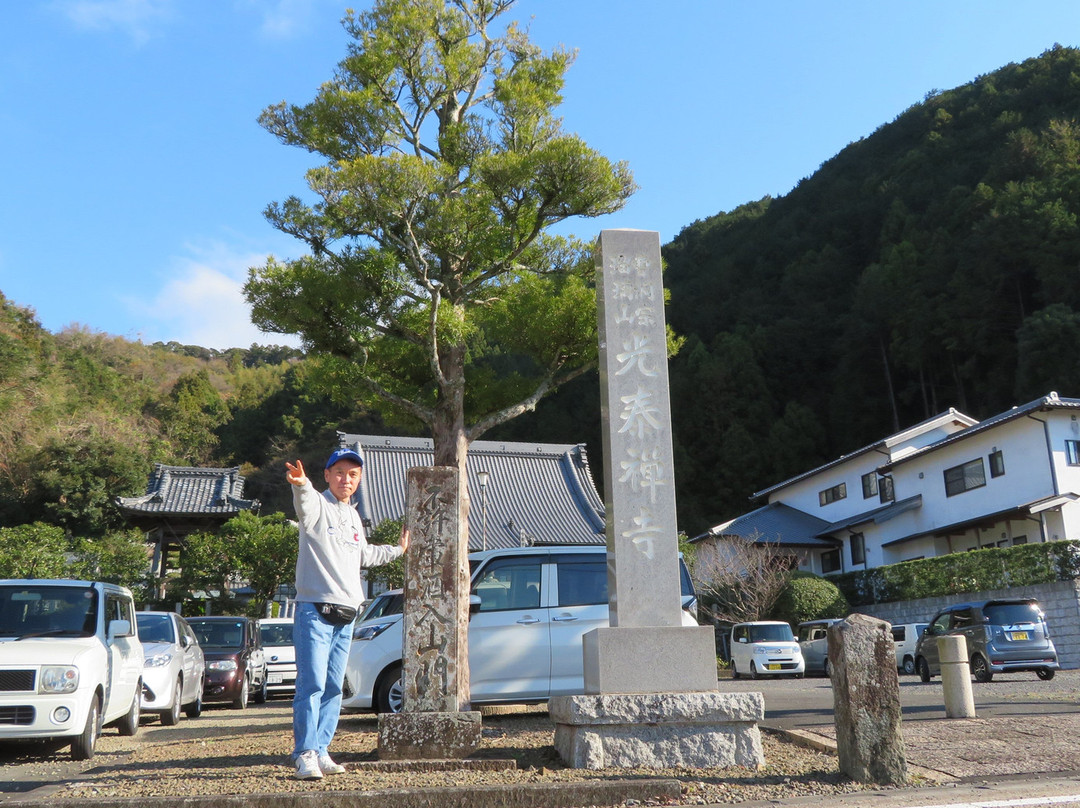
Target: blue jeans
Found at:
x=322, y=650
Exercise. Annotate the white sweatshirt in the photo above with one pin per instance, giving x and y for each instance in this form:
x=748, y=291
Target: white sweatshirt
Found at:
x=333, y=549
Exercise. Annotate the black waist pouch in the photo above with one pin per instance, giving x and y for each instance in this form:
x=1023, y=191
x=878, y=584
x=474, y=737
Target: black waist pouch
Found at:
x=335, y=614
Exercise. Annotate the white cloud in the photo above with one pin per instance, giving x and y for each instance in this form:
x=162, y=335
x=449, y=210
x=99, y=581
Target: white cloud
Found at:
x=283, y=19
x=136, y=18
x=202, y=303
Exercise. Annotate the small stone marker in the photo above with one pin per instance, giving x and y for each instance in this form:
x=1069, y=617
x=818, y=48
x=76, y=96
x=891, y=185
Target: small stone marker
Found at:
x=435, y=721
x=866, y=701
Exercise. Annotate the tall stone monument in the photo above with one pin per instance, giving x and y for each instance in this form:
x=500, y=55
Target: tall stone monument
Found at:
x=435, y=721
x=650, y=682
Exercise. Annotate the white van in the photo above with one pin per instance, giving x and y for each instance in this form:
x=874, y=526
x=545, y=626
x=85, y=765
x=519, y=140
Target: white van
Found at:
x=70, y=661
x=904, y=638
x=765, y=648
x=525, y=636
x=813, y=638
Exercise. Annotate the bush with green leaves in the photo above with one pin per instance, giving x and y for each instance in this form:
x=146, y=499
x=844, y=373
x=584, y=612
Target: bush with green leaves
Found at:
x=809, y=597
x=976, y=571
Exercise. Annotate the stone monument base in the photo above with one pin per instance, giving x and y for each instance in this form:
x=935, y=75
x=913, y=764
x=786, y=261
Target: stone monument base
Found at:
x=659, y=730
x=648, y=659
x=428, y=736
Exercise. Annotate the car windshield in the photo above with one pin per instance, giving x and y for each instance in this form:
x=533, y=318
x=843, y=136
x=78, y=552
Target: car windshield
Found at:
x=1009, y=614
x=35, y=611
x=154, y=628
x=219, y=633
x=777, y=633
x=276, y=634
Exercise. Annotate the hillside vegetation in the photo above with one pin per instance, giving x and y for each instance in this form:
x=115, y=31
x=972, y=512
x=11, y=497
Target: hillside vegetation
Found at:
x=933, y=264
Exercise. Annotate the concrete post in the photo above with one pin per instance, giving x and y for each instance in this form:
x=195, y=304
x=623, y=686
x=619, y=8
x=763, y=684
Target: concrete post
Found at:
x=956, y=676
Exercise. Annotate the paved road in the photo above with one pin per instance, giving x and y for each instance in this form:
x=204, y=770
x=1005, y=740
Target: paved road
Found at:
x=806, y=703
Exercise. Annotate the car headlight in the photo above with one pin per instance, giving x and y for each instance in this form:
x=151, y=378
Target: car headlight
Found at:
x=58, y=679
x=759, y=650
x=222, y=665
x=157, y=661
x=373, y=631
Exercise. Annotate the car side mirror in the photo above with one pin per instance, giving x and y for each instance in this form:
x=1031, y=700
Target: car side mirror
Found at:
x=119, y=628
x=741, y=639
x=474, y=604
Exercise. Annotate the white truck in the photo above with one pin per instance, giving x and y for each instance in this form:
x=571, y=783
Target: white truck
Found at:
x=70, y=661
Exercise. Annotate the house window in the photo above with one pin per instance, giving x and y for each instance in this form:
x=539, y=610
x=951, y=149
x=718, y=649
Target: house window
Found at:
x=997, y=463
x=964, y=477
x=869, y=485
x=1072, y=452
x=858, y=548
x=830, y=561
x=833, y=494
x=885, y=487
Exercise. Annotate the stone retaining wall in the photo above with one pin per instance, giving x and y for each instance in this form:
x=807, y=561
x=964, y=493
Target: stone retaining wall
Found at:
x=1060, y=601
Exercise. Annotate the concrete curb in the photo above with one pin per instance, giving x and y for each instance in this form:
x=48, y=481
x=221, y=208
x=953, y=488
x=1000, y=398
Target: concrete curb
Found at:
x=524, y=795
x=821, y=743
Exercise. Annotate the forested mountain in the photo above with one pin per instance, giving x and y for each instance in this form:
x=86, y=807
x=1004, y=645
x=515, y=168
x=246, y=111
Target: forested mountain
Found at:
x=84, y=416
x=933, y=264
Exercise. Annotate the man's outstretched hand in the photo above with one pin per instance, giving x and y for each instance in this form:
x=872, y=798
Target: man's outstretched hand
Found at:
x=295, y=473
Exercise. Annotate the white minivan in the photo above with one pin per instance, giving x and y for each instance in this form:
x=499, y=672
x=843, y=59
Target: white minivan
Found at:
x=70, y=661
x=765, y=648
x=525, y=635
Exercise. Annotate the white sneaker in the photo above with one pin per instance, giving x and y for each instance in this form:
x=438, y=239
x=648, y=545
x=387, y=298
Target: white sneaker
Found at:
x=328, y=766
x=307, y=766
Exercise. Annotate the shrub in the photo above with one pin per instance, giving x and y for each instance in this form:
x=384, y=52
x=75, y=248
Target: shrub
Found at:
x=809, y=597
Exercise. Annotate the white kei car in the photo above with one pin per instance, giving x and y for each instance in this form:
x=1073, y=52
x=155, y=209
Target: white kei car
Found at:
x=525, y=637
x=70, y=661
x=765, y=648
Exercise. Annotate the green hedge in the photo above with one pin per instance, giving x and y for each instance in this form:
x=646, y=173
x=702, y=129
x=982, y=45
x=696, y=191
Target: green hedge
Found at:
x=976, y=571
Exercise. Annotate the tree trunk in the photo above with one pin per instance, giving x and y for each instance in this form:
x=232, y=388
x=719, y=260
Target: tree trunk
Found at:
x=448, y=427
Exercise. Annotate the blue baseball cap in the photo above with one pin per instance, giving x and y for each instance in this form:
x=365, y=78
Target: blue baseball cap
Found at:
x=344, y=454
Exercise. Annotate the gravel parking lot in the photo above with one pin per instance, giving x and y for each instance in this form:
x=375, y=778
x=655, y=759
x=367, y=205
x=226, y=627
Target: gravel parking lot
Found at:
x=229, y=752
x=232, y=752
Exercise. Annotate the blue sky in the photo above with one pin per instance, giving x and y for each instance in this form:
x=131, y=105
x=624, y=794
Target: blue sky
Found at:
x=133, y=174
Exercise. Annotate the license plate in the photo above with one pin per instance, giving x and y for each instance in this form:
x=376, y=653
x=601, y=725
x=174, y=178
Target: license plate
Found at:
x=274, y=679
x=1020, y=635
x=772, y=666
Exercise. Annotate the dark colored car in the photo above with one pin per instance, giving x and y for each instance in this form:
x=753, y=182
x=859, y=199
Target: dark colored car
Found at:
x=235, y=661
x=1003, y=636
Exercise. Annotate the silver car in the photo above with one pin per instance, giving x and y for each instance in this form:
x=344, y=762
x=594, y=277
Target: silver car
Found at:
x=1003, y=636
x=174, y=671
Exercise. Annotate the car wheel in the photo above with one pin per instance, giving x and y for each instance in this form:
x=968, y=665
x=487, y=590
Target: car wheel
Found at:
x=129, y=724
x=194, y=710
x=171, y=717
x=261, y=693
x=753, y=670
x=980, y=668
x=734, y=670
x=82, y=748
x=241, y=700
x=909, y=665
x=1046, y=674
x=389, y=692
x=924, y=669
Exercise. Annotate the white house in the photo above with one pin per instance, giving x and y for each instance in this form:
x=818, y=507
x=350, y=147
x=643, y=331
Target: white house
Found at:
x=946, y=485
